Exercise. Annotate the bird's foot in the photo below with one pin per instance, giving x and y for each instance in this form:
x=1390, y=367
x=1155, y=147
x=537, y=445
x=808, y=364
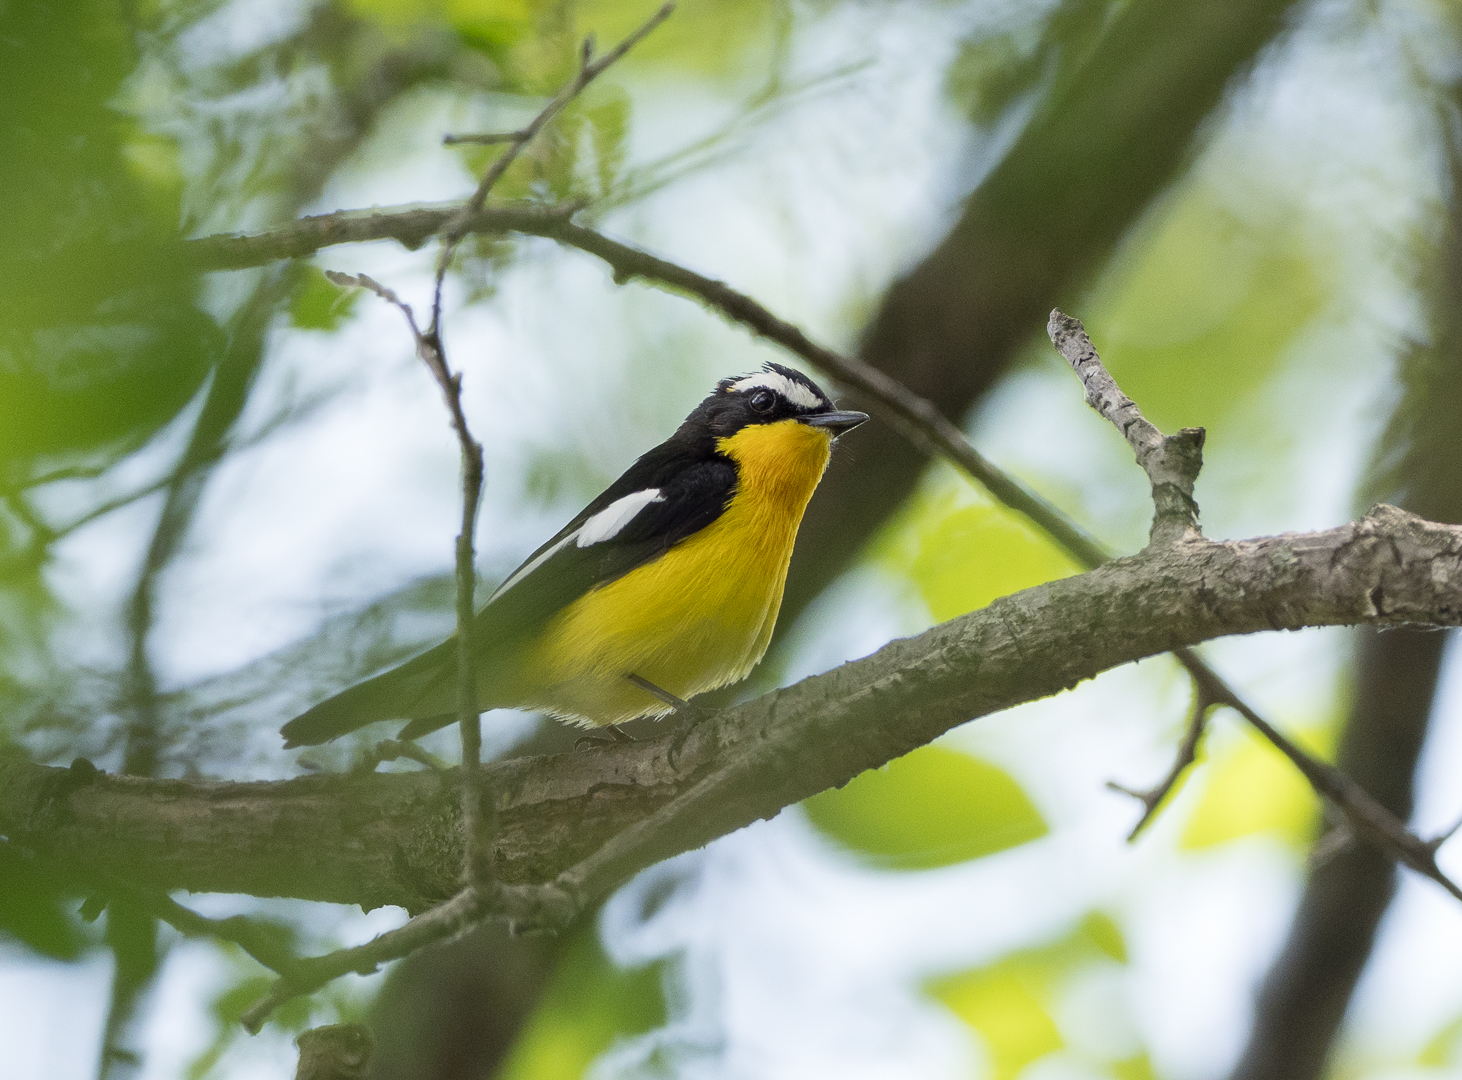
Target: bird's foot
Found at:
x=616, y=737
x=394, y=749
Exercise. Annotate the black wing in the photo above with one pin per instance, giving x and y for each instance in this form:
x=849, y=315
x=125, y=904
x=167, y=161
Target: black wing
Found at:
x=694, y=491
x=694, y=494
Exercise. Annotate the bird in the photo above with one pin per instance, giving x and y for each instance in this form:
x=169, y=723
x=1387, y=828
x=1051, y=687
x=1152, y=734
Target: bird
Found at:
x=665, y=586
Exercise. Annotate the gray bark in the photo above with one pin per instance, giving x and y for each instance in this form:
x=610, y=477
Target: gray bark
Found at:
x=394, y=839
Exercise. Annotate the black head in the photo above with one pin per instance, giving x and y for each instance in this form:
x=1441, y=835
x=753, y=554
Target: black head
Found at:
x=770, y=395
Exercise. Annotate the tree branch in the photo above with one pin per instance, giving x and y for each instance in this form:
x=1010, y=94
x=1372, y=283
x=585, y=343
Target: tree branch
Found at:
x=396, y=839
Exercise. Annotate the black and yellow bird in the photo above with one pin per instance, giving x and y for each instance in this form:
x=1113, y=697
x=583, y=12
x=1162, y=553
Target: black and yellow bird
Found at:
x=671, y=578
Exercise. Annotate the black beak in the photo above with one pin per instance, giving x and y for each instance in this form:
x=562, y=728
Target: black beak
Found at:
x=837, y=422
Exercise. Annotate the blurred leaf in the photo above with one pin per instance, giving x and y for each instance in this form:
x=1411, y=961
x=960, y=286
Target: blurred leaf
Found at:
x=100, y=339
x=33, y=908
x=969, y=556
x=1441, y=1049
x=233, y=1001
x=1133, y=1068
x=990, y=72
x=1252, y=788
x=1204, y=292
x=588, y=1005
x=1102, y=931
x=1006, y=1005
x=930, y=808
x=320, y=305
x=1009, y=1002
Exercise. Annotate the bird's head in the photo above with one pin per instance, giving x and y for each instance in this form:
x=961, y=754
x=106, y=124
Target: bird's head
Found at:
x=770, y=396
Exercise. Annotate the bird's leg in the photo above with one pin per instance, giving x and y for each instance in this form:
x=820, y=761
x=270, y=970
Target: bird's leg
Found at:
x=687, y=712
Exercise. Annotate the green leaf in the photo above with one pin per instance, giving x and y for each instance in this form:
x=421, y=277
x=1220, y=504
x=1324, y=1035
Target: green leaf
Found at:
x=1133, y=1068
x=319, y=304
x=970, y=556
x=930, y=808
x=588, y=1005
x=1203, y=292
x=33, y=908
x=1006, y=1004
x=1252, y=788
x=1441, y=1049
x=101, y=338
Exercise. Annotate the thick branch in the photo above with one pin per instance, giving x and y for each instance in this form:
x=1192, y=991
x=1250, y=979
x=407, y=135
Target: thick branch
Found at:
x=395, y=839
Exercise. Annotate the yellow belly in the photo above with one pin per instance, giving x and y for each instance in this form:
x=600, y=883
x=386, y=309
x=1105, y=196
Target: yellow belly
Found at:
x=700, y=616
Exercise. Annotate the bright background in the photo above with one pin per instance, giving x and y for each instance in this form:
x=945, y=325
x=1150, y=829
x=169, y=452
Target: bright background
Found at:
x=973, y=910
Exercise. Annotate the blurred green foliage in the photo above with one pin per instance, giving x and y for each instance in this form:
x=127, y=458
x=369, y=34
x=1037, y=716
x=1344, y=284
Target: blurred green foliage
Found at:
x=1011, y=1003
x=1202, y=308
x=35, y=909
x=227, y=1013
x=1249, y=787
x=101, y=341
x=930, y=808
x=590, y=1003
x=318, y=304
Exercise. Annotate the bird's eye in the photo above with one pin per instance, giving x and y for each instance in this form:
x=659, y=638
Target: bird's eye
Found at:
x=763, y=401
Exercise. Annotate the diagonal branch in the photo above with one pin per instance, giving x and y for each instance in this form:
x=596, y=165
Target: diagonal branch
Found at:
x=397, y=839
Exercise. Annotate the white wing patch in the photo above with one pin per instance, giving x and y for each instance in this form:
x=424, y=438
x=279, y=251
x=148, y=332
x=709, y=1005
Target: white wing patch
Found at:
x=607, y=524
x=604, y=525
x=793, y=391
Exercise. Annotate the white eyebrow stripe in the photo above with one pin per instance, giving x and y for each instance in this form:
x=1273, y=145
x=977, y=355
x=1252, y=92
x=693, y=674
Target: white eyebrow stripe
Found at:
x=608, y=523
x=793, y=391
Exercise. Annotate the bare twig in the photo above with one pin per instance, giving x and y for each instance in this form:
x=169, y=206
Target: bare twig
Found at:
x=589, y=70
x=409, y=226
x=488, y=139
x=1172, y=463
x=1152, y=798
x=429, y=349
x=549, y=906
x=395, y=749
x=309, y=974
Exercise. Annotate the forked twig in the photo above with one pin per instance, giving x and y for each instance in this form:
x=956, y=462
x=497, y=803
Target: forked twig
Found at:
x=589, y=70
x=1152, y=798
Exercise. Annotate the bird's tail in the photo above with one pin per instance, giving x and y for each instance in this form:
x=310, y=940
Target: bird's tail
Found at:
x=421, y=690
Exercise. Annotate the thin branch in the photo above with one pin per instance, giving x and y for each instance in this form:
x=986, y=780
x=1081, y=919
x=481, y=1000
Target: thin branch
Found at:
x=525, y=907
x=489, y=139
x=1154, y=797
x=469, y=723
x=409, y=226
x=589, y=70
x=394, y=750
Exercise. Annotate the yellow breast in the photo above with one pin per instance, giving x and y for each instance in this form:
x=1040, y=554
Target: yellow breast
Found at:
x=702, y=614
